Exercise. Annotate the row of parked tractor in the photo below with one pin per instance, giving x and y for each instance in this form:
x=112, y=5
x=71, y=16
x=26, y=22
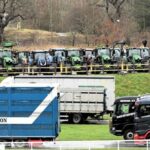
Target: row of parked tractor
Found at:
x=66, y=60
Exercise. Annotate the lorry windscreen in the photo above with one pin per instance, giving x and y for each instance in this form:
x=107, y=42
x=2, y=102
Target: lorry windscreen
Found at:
x=124, y=108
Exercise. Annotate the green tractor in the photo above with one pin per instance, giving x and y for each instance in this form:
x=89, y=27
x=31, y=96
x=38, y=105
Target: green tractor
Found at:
x=7, y=56
x=74, y=60
x=102, y=60
x=138, y=59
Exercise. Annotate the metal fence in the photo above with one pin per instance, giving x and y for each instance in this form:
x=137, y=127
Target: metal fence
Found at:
x=88, y=69
x=77, y=145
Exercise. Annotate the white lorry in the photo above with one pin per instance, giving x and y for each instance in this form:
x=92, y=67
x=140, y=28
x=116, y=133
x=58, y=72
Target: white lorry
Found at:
x=81, y=96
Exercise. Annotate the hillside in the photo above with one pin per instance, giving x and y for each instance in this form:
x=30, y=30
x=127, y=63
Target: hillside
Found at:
x=39, y=39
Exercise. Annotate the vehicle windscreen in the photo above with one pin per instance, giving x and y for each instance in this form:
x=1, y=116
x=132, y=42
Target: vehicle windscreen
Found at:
x=59, y=53
x=124, y=108
x=39, y=56
x=103, y=51
x=134, y=52
x=73, y=53
x=21, y=55
x=7, y=53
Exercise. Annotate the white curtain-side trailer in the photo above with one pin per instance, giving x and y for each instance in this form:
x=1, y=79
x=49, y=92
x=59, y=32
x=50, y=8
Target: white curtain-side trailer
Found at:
x=81, y=96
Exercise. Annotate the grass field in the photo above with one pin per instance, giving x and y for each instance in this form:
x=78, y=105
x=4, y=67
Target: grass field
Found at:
x=86, y=132
x=132, y=84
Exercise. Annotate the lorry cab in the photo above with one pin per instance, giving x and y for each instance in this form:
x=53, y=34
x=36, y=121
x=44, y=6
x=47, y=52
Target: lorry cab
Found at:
x=142, y=118
x=122, y=123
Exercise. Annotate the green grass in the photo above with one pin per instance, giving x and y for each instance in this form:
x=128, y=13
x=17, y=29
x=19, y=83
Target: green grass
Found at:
x=1, y=78
x=132, y=84
x=86, y=132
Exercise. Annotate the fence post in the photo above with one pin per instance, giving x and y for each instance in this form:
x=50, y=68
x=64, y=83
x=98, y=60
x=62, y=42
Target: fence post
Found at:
x=31, y=146
x=60, y=148
x=147, y=144
x=118, y=145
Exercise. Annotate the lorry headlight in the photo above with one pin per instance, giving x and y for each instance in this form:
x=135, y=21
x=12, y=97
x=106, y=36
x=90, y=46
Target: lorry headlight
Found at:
x=113, y=128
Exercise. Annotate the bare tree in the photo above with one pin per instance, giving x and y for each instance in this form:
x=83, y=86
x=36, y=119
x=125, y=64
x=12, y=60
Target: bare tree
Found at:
x=112, y=5
x=10, y=10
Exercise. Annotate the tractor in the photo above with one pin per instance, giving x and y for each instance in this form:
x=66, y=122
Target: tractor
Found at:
x=59, y=57
x=119, y=58
x=88, y=58
x=22, y=57
x=102, y=59
x=42, y=59
x=138, y=58
x=22, y=60
x=74, y=60
x=7, y=56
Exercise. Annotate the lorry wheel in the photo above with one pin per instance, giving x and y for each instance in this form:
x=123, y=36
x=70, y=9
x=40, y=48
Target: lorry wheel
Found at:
x=128, y=134
x=77, y=118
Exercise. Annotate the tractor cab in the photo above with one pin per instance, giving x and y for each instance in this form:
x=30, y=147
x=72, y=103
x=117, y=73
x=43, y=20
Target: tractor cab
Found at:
x=22, y=57
x=102, y=55
x=116, y=54
x=145, y=54
x=42, y=58
x=134, y=55
x=74, y=56
x=7, y=59
x=59, y=55
x=88, y=57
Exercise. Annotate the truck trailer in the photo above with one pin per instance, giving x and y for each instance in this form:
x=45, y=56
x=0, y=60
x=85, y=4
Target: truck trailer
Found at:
x=81, y=96
x=28, y=112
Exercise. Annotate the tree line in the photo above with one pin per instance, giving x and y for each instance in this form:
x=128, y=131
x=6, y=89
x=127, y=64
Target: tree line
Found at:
x=103, y=20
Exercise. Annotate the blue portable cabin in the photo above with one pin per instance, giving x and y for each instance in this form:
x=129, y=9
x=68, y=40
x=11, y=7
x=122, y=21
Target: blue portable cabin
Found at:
x=29, y=111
